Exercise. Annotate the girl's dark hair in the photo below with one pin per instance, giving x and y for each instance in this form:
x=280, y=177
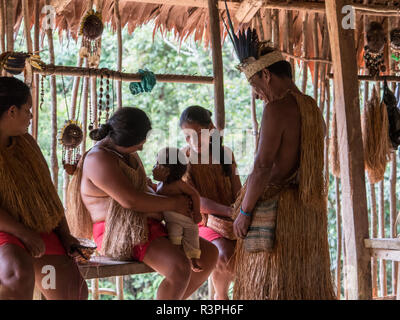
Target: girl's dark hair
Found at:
x=202, y=116
x=176, y=168
x=13, y=92
x=126, y=127
x=282, y=69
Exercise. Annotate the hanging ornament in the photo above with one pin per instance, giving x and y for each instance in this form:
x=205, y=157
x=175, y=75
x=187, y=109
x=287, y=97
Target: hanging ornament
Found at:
x=70, y=138
x=146, y=84
x=107, y=108
x=17, y=62
x=91, y=30
x=373, y=51
x=395, y=46
x=100, y=103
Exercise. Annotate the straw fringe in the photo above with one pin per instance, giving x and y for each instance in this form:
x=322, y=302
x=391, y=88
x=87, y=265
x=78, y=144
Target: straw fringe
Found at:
x=78, y=217
x=210, y=181
x=26, y=190
x=125, y=228
x=299, y=266
x=375, y=132
x=334, y=148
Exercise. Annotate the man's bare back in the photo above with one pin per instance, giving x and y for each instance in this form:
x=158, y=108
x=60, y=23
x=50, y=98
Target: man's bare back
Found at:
x=287, y=156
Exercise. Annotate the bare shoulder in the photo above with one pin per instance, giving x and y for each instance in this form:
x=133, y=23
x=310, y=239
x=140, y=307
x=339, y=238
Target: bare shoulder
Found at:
x=100, y=160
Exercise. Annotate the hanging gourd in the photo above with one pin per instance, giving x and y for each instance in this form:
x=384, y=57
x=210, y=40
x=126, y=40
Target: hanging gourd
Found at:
x=373, y=51
x=91, y=30
x=70, y=138
x=18, y=62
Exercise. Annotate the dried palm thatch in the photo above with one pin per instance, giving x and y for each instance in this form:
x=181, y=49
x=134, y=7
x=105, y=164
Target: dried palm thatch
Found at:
x=334, y=148
x=78, y=217
x=125, y=228
x=26, y=190
x=299, y=266
x=375, y=130
x=211, y=182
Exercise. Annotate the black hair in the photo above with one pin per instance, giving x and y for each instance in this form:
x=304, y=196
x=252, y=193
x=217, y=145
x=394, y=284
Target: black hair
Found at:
x=282, y=69
x=13, y=92
x=126, y=127
x=202, y=116
x=176, y=167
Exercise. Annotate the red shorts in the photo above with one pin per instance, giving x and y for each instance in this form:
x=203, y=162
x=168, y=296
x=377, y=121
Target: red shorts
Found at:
x=156, y=230
x=208, y=234
x=51, y=241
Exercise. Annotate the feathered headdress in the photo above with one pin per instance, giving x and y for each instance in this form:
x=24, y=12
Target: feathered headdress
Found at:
x=248, y=49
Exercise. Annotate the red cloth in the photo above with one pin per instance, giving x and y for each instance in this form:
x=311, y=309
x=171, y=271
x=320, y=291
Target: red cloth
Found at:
x=156, y=230
x=51, y=241
x=208, y=234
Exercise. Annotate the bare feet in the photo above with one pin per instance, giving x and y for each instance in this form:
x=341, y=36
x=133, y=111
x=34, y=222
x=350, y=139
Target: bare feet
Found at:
x=195, y=265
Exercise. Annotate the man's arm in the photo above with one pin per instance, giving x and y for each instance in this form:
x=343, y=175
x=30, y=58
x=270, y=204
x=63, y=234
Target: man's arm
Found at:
x=270, y=140
x=104, y=172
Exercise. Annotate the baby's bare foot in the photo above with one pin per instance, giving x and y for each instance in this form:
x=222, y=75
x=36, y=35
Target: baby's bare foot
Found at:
x=195, y=265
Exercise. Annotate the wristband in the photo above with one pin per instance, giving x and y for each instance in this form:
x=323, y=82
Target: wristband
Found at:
x=244, y=213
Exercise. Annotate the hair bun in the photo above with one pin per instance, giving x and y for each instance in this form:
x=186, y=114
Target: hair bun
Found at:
x=101, y=132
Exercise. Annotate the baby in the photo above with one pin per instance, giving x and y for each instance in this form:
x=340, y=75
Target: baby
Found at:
x=182, y=229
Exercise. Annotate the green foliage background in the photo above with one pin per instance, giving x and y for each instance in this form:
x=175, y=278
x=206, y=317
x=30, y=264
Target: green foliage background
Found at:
x=165, y=55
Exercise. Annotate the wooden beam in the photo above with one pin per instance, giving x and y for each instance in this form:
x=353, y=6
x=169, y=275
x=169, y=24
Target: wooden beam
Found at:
x=355, y=214
x=247, y=10
x=218, y=68
x=121, y=76
x=383, y=243
x=232, y=6
x=383, y=254
x=310, y=7
x=374, y=79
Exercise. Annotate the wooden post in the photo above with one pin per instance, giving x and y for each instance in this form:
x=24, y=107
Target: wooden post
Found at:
x=84, y=120
x=275, y=29
x=393, y=213
x=53, y=89
x=119, y=59
x=119, y=285
x=35, y=107
x=27, y=25
x=305, y=53
x=316, y=54
x=382, y=263
x=374, y=234
x=217, y=64
x=95, y=289
x=10, y=20
x=211, y=290
x=339, y=240
x=2, y=26
x=355, y=214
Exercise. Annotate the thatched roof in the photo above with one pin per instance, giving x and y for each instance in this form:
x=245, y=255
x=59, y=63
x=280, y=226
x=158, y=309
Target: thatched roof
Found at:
x=185, y=21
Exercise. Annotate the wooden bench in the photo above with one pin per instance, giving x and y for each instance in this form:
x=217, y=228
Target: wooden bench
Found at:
x=386, y=249
x=104, y=267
